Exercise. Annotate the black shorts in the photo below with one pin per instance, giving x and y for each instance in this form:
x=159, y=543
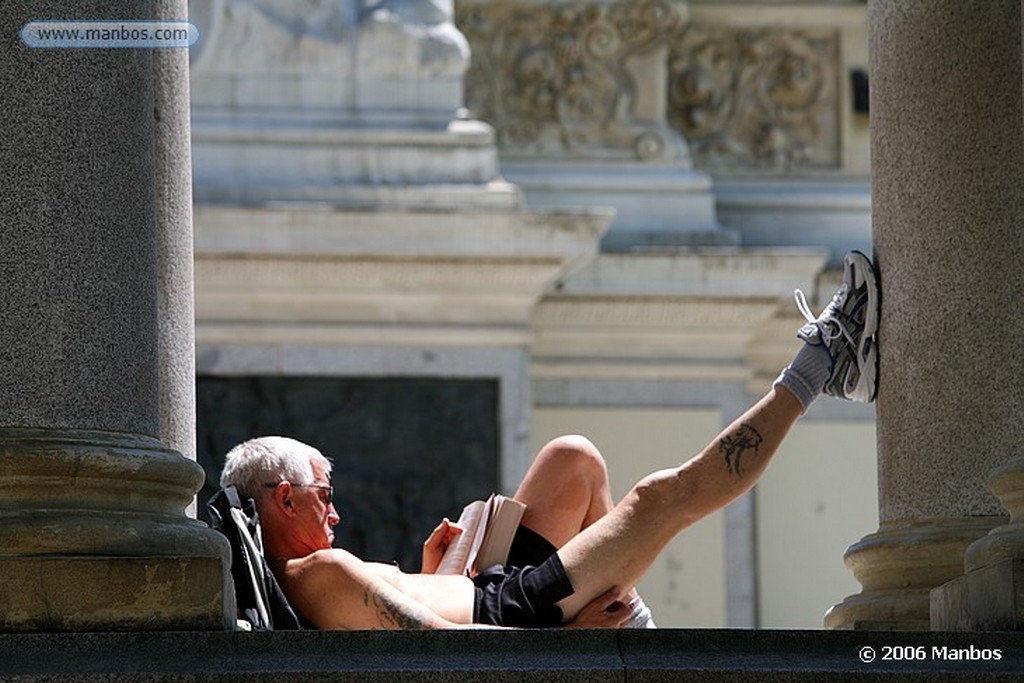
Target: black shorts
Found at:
x=523, y=593
x=529, y=548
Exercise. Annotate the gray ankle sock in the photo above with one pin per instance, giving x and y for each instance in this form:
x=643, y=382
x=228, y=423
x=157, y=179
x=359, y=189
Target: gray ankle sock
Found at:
x=805, y=377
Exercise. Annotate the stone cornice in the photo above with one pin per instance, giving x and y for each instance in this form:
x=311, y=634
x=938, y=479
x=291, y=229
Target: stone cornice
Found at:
x=320, y=275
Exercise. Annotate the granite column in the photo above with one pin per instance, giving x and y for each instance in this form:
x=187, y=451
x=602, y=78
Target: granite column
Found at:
x=947, y=183
x=175, y=288
x=93, y=528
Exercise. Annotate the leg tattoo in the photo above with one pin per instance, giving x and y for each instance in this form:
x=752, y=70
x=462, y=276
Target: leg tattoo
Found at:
x=733, y=446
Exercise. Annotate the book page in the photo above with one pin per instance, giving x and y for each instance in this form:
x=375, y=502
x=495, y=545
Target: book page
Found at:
x=459, y=556
x=501, y=529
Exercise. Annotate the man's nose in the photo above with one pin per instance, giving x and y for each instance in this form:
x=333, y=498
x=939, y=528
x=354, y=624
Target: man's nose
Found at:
x=332, y=515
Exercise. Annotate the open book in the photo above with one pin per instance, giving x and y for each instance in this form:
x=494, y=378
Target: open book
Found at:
x=488, y=529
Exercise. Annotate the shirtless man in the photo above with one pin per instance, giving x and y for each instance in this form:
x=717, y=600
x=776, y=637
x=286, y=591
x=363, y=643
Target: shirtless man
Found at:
x=600, y=550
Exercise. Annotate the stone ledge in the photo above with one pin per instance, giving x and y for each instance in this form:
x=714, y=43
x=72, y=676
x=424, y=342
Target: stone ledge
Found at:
x=667, y=654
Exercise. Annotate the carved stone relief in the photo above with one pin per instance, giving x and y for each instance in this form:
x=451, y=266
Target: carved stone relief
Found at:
x=563, y=79
x=626, y=79
x=757, y=98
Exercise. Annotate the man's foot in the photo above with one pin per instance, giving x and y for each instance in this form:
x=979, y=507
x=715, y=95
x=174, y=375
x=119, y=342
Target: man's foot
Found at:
x=847, y=329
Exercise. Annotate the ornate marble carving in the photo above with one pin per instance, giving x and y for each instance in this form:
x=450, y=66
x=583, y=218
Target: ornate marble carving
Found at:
x=621, y=79
x=558, y=79
x=762, y=98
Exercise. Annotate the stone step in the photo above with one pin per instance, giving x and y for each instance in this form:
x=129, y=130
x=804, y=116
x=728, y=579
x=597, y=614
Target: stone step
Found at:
x=566, y=656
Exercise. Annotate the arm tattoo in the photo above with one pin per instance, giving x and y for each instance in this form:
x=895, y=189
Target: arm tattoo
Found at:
x=733, y=446
x=391, y=614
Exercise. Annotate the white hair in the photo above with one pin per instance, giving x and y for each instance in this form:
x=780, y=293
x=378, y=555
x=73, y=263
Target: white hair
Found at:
x=253, y=464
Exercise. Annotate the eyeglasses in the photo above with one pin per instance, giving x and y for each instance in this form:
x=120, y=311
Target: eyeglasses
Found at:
x=323, y=487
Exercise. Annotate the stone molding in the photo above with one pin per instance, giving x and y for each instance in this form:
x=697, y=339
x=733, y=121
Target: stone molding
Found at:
x=988, y=596
x=62, y=488
x=701, y=314
x=335, y=276
x=899, y=565
x=655, y=205
x=315, y=229
x=95, y=535
x=247, y=157
x=1005, y=542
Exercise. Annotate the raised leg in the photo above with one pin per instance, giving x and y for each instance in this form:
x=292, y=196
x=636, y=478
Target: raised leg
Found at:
x=618, y=548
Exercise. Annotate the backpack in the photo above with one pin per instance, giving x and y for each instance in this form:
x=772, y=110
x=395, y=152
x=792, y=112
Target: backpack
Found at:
x=258, y=597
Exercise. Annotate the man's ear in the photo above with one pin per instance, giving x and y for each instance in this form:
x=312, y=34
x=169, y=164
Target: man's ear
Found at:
x=282, y=497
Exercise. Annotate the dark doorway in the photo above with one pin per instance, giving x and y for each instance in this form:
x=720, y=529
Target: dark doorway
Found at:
x=406, y=451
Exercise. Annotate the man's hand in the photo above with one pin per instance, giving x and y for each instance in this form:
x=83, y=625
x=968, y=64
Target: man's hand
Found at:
x=606, y=611
x=440, y=538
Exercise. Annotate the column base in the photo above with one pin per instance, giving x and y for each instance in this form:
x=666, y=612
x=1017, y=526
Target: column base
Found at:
x=881, y=610
x=990, y=596
x=1005, y=542
x=986, y=599
x=76, y=593
x=898, y=566
x=94, y=536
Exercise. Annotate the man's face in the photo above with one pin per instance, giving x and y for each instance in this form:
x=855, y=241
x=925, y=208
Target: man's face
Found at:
x=316, y=513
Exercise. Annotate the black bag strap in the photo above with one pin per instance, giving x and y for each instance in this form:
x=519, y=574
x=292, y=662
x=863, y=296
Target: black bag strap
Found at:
x=258, y=596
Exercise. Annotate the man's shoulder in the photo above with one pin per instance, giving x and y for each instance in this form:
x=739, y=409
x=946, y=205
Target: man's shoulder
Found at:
x=321, y=560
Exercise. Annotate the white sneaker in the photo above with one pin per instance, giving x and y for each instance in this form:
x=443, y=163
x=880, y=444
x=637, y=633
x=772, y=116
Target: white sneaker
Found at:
x=847, y=328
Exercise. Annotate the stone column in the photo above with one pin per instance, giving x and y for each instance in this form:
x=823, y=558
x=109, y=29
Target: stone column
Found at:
x=92, y=500
x=175, y=298
x=947, y=181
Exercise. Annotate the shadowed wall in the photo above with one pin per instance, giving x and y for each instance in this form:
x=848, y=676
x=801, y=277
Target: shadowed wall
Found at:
x=406, y=451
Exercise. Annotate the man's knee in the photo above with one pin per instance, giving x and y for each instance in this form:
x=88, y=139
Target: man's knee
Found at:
x=578, y=452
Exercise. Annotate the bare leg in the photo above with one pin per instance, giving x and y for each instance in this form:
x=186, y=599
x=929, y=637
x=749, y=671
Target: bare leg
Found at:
x=566, y=489
x=617, y=549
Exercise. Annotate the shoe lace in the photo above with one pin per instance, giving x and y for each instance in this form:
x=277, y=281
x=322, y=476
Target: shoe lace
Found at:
x=828, y=332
